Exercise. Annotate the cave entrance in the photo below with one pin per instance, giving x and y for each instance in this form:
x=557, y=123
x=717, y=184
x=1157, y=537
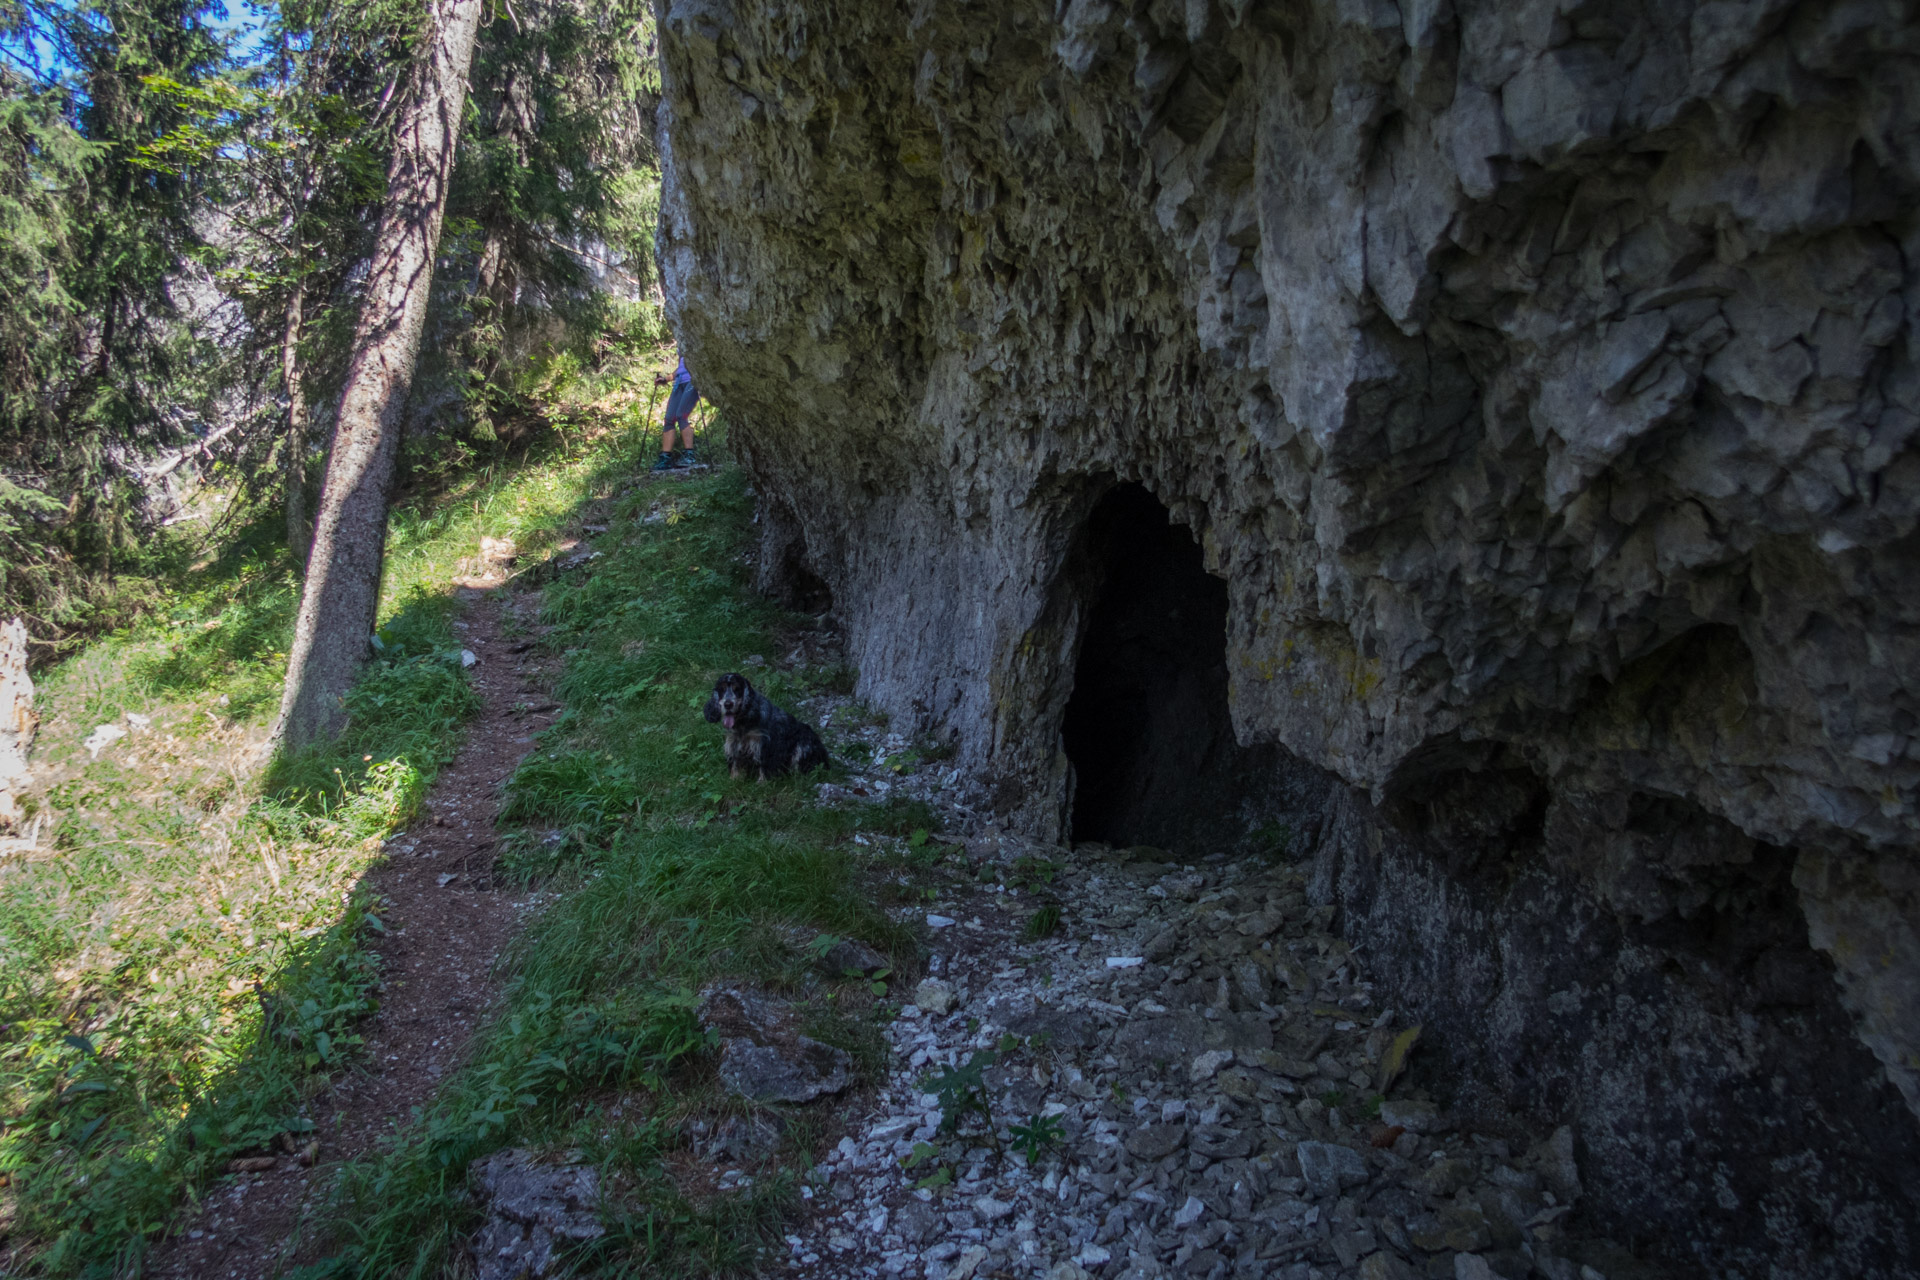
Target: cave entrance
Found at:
x=1147, y=728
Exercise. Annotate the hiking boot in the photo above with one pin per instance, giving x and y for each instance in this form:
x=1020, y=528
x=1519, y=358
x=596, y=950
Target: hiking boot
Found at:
x=664, y=462
x=688, y=461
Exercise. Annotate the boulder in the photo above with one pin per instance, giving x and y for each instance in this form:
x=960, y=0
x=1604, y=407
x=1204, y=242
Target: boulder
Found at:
x=763, y=1056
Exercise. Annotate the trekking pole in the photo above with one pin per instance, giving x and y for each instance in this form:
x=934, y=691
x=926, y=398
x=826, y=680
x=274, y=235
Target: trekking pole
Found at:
x=653, y=396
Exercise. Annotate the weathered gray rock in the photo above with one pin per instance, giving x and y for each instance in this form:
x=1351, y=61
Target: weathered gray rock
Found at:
x=763, y=1056
x=535, y=1204
x=852, y=956
x=1539, y=388
x=1329, y=1168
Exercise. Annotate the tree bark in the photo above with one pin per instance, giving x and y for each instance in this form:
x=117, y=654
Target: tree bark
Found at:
x=298, y=532
x=339, y=605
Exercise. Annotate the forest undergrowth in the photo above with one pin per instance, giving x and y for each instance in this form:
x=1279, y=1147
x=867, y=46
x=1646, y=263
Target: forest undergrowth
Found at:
x=182, y=949
x=665, y=875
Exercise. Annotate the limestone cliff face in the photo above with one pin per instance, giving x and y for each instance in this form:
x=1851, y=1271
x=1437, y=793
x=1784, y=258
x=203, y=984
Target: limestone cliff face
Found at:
x=1540, y=380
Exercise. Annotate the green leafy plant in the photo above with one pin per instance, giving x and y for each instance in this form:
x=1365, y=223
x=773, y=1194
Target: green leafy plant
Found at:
x=962, y=1091
x=1036, y=1135
x=1033, y=873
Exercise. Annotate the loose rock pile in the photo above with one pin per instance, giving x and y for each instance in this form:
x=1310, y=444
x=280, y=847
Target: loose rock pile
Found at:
x=535, y=1208
x=1212, y=1060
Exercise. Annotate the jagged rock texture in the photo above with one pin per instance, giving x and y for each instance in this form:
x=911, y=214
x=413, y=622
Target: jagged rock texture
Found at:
x=1540, y=379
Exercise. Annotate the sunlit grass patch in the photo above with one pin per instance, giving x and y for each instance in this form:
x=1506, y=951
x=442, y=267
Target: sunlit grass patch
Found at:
x=181, y=956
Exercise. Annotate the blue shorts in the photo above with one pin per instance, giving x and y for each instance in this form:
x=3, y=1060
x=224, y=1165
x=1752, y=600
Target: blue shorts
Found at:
x=680, y=402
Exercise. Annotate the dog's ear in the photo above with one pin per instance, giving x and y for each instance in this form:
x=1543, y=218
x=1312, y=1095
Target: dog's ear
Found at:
x=712, y=710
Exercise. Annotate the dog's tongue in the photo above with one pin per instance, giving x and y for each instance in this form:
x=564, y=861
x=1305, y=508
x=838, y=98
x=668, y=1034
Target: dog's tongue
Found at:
x=727, y=721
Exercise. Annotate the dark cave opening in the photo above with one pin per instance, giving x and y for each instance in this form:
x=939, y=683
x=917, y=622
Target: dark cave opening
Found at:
x=1147, y=727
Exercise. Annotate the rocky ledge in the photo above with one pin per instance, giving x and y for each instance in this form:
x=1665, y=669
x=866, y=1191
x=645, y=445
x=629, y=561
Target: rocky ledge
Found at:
x=1476, y=438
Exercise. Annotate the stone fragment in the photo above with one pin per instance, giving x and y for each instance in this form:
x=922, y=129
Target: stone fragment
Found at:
x=916, y=1221
x=1241, y=1086
x=497, y=553
x=1444, y=1177
x=1386, y=1266
x=851, y=956
x=1471, y=1266
x=1261, y=924
x=990, y=1209
x=1414, y=1117
x=1217, y=1142
x=763, y=1056
x=1281, y=1063
x=743, y=1138
x=1207, y=1064
x=102, y=737
x=968, y=1263
x=933, y=995
x=1190, y=1212
x=1294, y=974
x=1156, y=1141
x=1462, y=1228
x=1329, y=1168
x=1553, y=1160
x=533, y=1208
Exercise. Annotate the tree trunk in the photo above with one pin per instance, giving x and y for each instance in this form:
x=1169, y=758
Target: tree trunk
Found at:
x=298, y=532
x=342, y=596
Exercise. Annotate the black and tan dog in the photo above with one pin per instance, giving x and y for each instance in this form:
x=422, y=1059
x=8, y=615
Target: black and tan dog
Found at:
x=760, y=735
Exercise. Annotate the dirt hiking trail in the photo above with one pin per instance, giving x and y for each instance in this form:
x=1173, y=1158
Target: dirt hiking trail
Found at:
x=446, y=925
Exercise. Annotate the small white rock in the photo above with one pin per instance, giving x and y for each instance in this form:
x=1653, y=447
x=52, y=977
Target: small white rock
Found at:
x=102, y=737
x=967, y=1263
x=1471, y=1266
x=933, y=995
x=468, y=657
x=1208, y=1064
x=1125, y=962
x=991, y=1210
x=1092, y=1255
x=939, y=922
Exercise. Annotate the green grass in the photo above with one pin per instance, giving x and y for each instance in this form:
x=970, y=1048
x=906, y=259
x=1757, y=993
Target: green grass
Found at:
x=182, y=958
x=669, y=876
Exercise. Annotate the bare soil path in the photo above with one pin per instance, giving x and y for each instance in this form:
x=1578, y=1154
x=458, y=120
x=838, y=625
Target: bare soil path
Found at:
x=446, y=924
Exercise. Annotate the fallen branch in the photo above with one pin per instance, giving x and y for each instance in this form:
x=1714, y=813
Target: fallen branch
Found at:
x=198, y=446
